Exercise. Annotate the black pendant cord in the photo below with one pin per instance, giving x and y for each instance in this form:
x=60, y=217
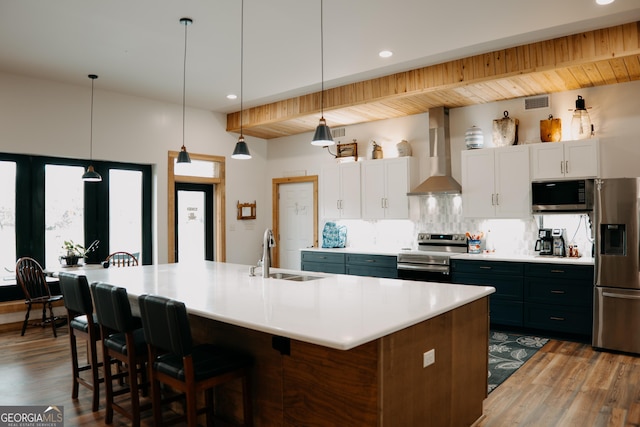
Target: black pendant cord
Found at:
x=93, y=79
x=321, y=61
x=241, y=65
x=184, y=79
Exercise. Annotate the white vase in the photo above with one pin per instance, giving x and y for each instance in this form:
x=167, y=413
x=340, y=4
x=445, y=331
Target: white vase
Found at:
x=474, y=138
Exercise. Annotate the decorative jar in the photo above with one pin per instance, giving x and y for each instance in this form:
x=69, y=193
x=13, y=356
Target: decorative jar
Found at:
x=474, y=138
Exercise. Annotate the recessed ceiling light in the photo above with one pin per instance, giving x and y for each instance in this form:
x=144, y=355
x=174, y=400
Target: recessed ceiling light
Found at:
x=604, y=1
x=385, y=53
x=232, y=96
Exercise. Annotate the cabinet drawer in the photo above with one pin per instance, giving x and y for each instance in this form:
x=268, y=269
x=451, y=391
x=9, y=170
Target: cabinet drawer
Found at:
x=503, y=312
x=573, y=320
x=493, y=267
x=323, y=267
x=372, y=271
x=506, y=286
x=313, y=256
x=564, y=292
x=372, y=260
x=569, y=271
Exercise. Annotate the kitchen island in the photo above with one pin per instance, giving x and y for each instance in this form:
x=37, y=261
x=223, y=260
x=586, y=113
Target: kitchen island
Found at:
x=337, y=349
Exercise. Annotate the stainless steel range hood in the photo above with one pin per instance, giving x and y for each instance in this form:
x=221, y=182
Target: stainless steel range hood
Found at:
x=440, y=181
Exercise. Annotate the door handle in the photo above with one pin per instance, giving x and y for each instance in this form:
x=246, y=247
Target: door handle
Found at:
x=622, y=296
x=556, y=318
x=557, y=292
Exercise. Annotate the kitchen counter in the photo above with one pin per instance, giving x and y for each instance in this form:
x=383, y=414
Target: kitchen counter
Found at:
x=338, y=350
x=495, y=256
x=526, y=258
x=336, y=311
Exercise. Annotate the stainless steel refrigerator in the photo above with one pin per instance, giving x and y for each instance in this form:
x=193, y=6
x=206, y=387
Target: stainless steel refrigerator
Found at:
x=616, y=318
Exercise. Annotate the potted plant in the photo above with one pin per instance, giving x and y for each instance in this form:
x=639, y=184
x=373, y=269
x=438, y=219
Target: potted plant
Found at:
x=75, y=251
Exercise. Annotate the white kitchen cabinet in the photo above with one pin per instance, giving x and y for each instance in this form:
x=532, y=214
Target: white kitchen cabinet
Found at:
x=495, y=183
x=385, y=184
x=569, y=159
x=340, y=185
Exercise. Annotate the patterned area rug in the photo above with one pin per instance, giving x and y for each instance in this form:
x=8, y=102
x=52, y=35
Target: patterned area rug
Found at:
x=508, y=352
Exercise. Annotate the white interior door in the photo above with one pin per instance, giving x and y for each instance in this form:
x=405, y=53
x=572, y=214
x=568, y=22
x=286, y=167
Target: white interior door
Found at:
x=296, y=222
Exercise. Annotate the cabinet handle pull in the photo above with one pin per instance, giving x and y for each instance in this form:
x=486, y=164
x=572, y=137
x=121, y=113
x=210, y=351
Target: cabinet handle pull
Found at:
x=497, y=199
x=557, y=271
x=485, y=267
x=566, y=166
x=557, y=318
x=561, y=167
x=493, y=199
x=369, y=260
x=557, y=292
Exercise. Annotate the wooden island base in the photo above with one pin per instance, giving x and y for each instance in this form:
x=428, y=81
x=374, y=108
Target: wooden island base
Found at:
x=380, y=383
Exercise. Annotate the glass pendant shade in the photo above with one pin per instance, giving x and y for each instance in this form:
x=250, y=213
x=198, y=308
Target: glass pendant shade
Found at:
x=580, y=122
x=91, y=175
x=183, y=156
x=241, y=151
x=322, y=137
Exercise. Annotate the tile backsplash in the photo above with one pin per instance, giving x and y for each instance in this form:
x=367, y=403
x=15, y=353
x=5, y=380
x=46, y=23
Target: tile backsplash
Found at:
x=443, y=213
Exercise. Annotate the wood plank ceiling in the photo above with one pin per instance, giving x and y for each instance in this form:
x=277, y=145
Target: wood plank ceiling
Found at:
x=593, y=58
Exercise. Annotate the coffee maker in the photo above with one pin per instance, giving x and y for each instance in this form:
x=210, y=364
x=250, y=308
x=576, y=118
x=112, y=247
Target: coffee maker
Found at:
x=559, y=242
x=545, y=241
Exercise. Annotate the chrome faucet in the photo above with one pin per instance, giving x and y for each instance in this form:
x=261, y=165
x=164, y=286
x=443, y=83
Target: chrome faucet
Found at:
x=267, y=243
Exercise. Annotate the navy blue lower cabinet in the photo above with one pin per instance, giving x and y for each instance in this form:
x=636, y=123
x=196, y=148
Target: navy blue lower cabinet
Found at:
x=506, y=305
x=559, y=298
x=324, y=262
x=372, y=265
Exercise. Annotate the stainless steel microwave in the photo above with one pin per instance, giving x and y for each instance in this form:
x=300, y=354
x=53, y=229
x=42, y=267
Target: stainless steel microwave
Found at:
x=562, y=196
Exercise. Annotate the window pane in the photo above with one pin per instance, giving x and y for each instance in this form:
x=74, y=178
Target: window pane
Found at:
x=191, y=226
x=7, y=217
x=125, y=211
x=199, y=168
x=64, y=209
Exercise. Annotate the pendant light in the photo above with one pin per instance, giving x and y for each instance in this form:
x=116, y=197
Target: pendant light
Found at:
x=183, y=156
x=322, y=137
x=581, y=122
x=241, y=151
x=91, y=175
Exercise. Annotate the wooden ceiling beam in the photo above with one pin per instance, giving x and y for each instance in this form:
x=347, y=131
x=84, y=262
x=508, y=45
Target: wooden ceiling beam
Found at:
x=593, y=58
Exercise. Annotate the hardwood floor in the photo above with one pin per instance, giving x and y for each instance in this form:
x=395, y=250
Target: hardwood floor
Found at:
x=563, y=384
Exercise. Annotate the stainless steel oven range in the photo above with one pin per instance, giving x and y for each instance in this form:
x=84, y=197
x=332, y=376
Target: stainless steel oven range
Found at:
x=430, y=263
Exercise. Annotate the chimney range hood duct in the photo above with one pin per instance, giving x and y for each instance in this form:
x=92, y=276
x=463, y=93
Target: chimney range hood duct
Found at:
x=440, y=181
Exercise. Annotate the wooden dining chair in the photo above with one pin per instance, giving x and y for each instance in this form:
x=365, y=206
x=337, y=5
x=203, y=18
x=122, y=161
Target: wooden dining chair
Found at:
x=175, y=361
x=32, y=280
x=121, y=259
x=83, y=325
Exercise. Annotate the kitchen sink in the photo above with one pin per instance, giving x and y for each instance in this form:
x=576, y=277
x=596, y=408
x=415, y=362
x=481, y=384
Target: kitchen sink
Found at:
x=293, y=277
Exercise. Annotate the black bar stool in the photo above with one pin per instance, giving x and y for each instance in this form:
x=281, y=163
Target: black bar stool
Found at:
x=83, y=325
x=188, y=368
x=123, y=340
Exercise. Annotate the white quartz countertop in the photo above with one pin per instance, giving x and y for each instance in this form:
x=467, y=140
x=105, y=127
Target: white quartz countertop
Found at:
x=526, y=258
x=336, y=311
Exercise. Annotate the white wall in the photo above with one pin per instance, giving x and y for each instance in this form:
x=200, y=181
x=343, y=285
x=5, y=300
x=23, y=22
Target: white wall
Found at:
x=49, y=118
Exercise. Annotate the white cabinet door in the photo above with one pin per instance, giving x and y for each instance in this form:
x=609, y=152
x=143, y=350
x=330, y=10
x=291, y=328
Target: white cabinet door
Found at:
x=569, y=159
x=330, y=190
x=581, y=158
x=495, y=183
x=373, y=189
x=398, y=174
x=547, y=160
x=341, y=191
x=350, y=186
x=512, y=183
x=478, y=183
x=385, y=184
